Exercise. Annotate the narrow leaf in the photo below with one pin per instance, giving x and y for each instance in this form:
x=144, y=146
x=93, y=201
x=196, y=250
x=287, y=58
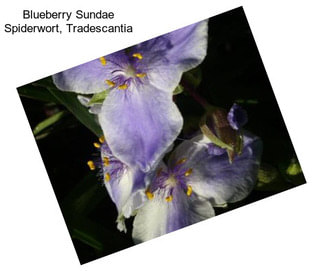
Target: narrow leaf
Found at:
x=37, y=93
x=87, y=239
x=48, y=122
x=70, y=101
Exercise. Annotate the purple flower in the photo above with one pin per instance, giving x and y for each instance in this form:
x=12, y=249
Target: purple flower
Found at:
x=195, y=180
x=138, y=117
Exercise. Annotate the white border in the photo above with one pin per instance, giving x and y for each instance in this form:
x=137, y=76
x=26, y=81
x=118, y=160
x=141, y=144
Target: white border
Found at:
x=283, y=232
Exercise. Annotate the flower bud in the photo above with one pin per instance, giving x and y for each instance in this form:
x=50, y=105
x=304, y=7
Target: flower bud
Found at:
x=216, y=125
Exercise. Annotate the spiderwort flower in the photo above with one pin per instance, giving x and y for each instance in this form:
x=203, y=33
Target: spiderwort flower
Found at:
x=138, y=117
x=199, y=175
x=195, y=180
x=124, y=184
x=172, y=204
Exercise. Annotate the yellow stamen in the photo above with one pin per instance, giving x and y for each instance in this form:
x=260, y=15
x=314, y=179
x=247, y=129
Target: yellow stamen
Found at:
x=101, y=139
x=106, y=161
x=149, y=195
x=137, y=55
x=189, y=190
x=107, y=177
x=110, y=83
x=91, y=165
x=123, y=87
x=96, y=145
x=169, y=198
x=141, y=75
x=103, y=61
x=188, y=172
x=182, y=161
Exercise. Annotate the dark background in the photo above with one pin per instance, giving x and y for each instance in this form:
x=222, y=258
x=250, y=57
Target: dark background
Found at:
x=232, y=72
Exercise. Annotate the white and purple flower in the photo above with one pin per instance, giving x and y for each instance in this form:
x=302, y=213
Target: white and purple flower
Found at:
x=200, y=175
x=124, y=184
x=138, y=117
x=140, y=122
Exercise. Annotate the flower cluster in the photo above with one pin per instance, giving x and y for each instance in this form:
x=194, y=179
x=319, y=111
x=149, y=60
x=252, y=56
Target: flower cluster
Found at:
x=141, y=122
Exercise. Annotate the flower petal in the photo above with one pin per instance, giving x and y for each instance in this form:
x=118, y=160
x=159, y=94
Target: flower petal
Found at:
x=89, y=77
x=158, y=217
x=125, y=185
x=213, y=176
x=237, y=117
x=127, y=193
x=169, y=55
x=190, y=45
x=165, y=78
x=140, y=124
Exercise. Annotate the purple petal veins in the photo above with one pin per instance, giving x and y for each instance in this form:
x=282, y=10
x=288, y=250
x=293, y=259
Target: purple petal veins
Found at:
x=196, y=179
x=172, y=203
x=171, y=206
x=170, y=178
x=138, y=117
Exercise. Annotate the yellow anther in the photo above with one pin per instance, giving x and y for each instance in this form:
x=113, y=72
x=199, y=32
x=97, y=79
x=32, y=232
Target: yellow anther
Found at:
x=91, y=165
x=141, y=75
x=110, y=83
x=149, y=195
x=107, y=177
x=189, y=190
x=182, y=161
x=123, y=87
x=137, y=55
x=106, y=161
x=188, y=172
x=103, y=61
x=101, y=139
x=96, y=145
x=169, y=198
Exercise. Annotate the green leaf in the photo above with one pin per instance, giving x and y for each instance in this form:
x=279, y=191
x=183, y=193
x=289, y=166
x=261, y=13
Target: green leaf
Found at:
x=85, y=196
x=178, y=90
x=42, y=135
x=37, y=93
x=48, y=91
x=95, y=235
x=98, y=98
x=79, y=205
x=70, y=101
x=87, y=238
x=48, y=122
